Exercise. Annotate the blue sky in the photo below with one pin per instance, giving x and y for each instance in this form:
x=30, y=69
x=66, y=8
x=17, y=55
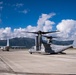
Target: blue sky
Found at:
x=19, y=16
x=21, y=13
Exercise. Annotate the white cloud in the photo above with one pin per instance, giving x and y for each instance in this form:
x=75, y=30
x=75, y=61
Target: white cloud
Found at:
x=43, y=23
x=5, y=33
x=19, y=5
x=66, y=27
x=67, y=30
x=44, y=17
x=24, y=11
x=48, y=25
x=18, y=32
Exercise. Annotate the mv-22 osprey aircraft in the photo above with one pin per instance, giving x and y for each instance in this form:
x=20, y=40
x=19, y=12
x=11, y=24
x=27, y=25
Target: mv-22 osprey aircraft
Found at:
x=46, y=48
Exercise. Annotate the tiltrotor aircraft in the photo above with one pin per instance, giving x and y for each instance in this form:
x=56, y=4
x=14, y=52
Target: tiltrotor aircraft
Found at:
x=42, y=46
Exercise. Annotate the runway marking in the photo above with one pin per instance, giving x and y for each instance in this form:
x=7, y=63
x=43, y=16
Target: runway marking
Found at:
x=8, y=68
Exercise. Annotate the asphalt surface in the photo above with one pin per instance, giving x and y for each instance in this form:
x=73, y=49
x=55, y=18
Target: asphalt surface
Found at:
x=20, y=62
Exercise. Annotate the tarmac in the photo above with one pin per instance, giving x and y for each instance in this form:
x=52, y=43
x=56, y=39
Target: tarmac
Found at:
x=20, y=62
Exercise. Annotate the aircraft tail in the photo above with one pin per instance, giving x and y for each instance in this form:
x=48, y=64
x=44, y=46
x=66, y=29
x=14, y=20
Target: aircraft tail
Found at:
x=60, y=50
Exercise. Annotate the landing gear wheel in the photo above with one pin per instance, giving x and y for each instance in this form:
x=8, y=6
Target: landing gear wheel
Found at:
x=7, y=48
x=30, y=52
x=62, y=53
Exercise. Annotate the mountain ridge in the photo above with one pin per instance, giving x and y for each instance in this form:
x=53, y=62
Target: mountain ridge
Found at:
x=28, y=42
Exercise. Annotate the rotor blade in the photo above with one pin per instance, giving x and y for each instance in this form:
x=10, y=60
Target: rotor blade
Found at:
x=32, y=32
x=40, y=32
x=49, y=32
x=50, y=37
